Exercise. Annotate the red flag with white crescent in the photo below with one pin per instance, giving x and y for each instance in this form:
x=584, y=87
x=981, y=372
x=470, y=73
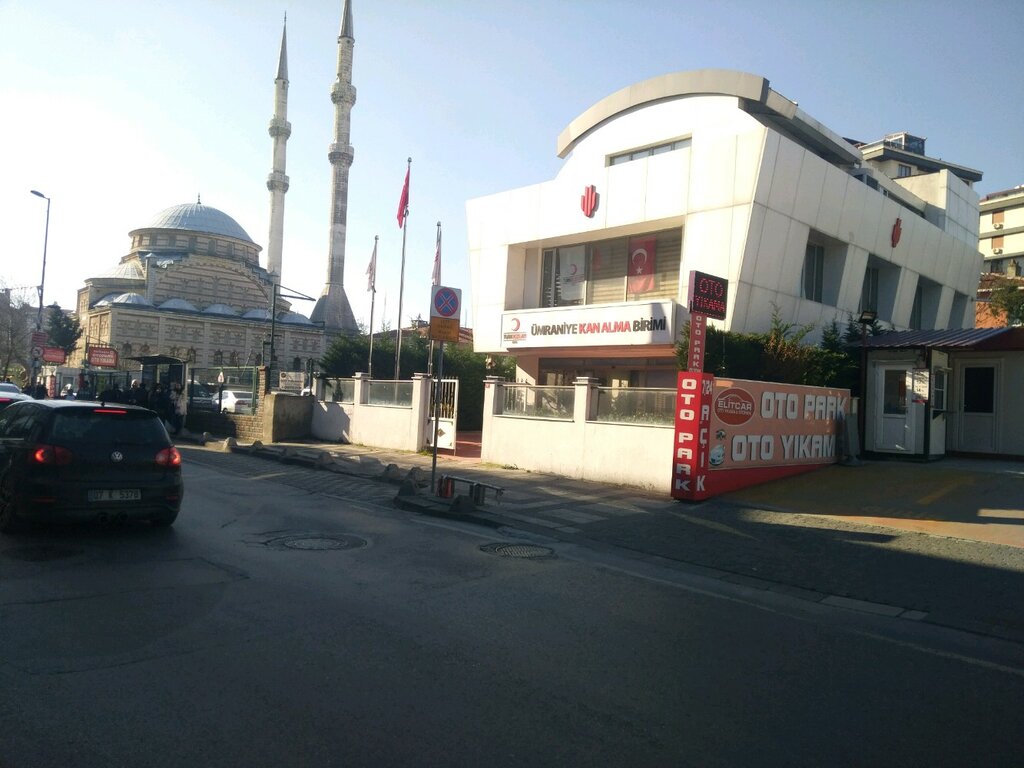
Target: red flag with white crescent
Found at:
x=403, y=201
x=640, y=268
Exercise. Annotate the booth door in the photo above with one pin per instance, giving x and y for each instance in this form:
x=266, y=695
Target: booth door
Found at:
x=894, y=425
x=977, y=430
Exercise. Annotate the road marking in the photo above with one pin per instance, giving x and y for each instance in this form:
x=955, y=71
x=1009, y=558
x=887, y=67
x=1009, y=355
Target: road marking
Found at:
x=971, y=660
x=938, y=493
x=721, y=527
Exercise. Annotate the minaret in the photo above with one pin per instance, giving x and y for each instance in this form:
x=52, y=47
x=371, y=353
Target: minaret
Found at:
x=277, y=182
x=332, y=308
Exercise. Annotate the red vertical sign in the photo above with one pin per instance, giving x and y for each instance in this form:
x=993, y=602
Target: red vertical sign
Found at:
x=694, y=393
x=698, y=337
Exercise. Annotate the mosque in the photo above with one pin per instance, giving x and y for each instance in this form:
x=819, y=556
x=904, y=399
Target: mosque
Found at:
x=192, y=288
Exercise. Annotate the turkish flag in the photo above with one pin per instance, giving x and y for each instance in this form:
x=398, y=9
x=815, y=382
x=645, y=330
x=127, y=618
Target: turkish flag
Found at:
x=403, y=201
x=640, y=270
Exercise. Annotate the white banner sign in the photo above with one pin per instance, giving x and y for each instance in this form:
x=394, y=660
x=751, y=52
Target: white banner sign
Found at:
x=634, y=322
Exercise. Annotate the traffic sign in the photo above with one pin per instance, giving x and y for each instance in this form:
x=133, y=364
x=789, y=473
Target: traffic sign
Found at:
x=445, y=302
x=39, y=338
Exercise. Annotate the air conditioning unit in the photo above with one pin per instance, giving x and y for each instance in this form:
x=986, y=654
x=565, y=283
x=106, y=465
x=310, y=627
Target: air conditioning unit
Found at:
x=997, y=225
x=997, y=251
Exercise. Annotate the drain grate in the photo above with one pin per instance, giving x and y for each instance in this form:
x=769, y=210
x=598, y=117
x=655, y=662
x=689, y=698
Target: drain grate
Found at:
x=524, y=551
x=317, y=542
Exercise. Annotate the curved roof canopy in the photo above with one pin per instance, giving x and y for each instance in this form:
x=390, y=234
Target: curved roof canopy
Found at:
x=132, y=298
x=179, y=304
x=754, y=95
x=196, y=217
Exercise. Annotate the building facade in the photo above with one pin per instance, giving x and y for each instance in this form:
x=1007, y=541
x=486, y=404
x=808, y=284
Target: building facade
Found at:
x=1001, y=231
x=587, y=274
x=191, y=288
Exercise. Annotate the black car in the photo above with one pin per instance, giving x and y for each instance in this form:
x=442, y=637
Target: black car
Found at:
x=67, y=460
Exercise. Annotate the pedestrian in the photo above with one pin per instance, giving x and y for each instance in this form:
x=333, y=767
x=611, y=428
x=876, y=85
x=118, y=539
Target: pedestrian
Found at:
x=68, y=393
x=143, y=395
x=132, y=395
x=160, y=402
x=179, y=407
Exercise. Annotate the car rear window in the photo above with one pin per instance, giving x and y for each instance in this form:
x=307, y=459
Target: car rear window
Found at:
x=105, y=425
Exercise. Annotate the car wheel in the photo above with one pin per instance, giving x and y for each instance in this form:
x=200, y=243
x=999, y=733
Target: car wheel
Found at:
x=9, y=521
x=165, y=521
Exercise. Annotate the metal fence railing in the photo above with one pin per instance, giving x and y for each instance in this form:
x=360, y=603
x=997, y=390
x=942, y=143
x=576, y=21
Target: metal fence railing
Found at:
x=539, y=402
x=636, y=405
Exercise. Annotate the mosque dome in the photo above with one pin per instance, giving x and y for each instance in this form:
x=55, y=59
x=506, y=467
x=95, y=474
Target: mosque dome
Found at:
x=132, y=298
x=178, y=304
x=257, y=314
x=220, y=309
x=196, y=217
x=294, y=317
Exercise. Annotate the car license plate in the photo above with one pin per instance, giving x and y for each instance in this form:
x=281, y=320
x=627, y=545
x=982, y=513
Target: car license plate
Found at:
x=116, y=494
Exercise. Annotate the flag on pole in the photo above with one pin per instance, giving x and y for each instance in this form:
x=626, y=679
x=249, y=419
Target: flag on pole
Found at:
x=436, y=276
x=371, y=271
x=403, y=201
x=640, y=274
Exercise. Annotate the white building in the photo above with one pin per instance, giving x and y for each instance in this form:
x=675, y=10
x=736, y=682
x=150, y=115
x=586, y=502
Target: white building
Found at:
x=1002, y=230
x=711, y=170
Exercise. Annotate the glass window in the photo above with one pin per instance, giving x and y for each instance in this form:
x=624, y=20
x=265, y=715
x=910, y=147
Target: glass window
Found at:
x=814, y=272
x=915, y=311
x=903, y=171
x=939, y=389
x=639, y=154
x=869, y=291
x=979, y=389
x=894, y=392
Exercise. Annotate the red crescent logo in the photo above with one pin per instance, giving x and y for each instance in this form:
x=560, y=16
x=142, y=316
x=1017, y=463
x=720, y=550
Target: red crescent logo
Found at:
x=515, y=323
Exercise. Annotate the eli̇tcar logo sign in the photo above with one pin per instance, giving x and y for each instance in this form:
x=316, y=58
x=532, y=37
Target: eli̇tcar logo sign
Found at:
x=734, y=406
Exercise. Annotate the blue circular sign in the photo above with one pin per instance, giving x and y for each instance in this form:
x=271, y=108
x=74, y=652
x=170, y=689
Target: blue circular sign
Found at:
x=446, y=302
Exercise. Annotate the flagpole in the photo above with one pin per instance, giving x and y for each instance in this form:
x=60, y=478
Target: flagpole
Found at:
x=403, y=216
x=373, y=299
x=436, y=280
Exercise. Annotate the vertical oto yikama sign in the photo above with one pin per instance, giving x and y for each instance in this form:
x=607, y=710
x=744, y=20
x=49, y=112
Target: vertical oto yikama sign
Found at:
x=694, y=393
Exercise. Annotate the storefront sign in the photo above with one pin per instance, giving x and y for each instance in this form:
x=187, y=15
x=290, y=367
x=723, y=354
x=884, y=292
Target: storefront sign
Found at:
x=588, y=202
x=103, y=357
x=762, y=424
x=54, y=355
x=693, y=432
x=707, y=294
x=590, y=326
x=731, y=433
x=698, y=339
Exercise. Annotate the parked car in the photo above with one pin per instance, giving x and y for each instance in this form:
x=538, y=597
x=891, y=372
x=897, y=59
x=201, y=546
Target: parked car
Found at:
x=235, y=401
x=66, y=460
x=200, y=398
x=7, y=388
x=7, y=397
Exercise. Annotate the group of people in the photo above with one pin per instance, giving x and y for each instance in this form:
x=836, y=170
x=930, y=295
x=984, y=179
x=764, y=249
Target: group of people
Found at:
x=170, y=402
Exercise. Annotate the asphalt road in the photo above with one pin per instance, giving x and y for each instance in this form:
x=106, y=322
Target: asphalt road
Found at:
x=297, y=618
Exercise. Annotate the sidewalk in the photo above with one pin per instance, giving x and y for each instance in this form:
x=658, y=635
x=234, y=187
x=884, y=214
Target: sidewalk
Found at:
x=941, y=542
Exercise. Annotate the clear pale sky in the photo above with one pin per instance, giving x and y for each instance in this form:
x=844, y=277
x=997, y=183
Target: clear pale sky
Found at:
x=118, y=110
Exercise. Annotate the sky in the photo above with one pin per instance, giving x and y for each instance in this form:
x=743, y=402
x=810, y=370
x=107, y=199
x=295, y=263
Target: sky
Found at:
x=119, y=110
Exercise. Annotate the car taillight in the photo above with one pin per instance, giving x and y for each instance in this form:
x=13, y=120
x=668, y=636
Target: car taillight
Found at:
x=51, y=455
x=169, y=457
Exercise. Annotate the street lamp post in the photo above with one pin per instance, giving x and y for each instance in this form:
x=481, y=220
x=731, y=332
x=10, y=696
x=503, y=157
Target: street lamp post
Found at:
x=867, y=318
x=42, y=279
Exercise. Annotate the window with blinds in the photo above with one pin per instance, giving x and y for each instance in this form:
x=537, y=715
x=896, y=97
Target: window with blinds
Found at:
x=605, y=267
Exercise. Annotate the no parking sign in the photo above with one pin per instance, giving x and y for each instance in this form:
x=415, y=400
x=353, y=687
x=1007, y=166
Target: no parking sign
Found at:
x=445, y=311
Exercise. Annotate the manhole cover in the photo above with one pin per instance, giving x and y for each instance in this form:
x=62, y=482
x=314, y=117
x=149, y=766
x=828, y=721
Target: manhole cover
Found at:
x=528, y=551
x=317, y=542
x=41, y=553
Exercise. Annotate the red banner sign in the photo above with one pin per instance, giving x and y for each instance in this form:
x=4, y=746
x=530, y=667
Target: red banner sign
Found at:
x=693, y=427
x=103, y=357
x=54, y=355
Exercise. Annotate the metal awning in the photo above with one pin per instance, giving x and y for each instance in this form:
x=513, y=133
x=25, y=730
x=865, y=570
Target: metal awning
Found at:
x=982, y=339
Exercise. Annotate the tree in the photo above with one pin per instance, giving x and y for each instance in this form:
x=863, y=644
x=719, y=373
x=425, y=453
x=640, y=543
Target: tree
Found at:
x=16, y=323
x=1007, y=297
x=64, y=329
